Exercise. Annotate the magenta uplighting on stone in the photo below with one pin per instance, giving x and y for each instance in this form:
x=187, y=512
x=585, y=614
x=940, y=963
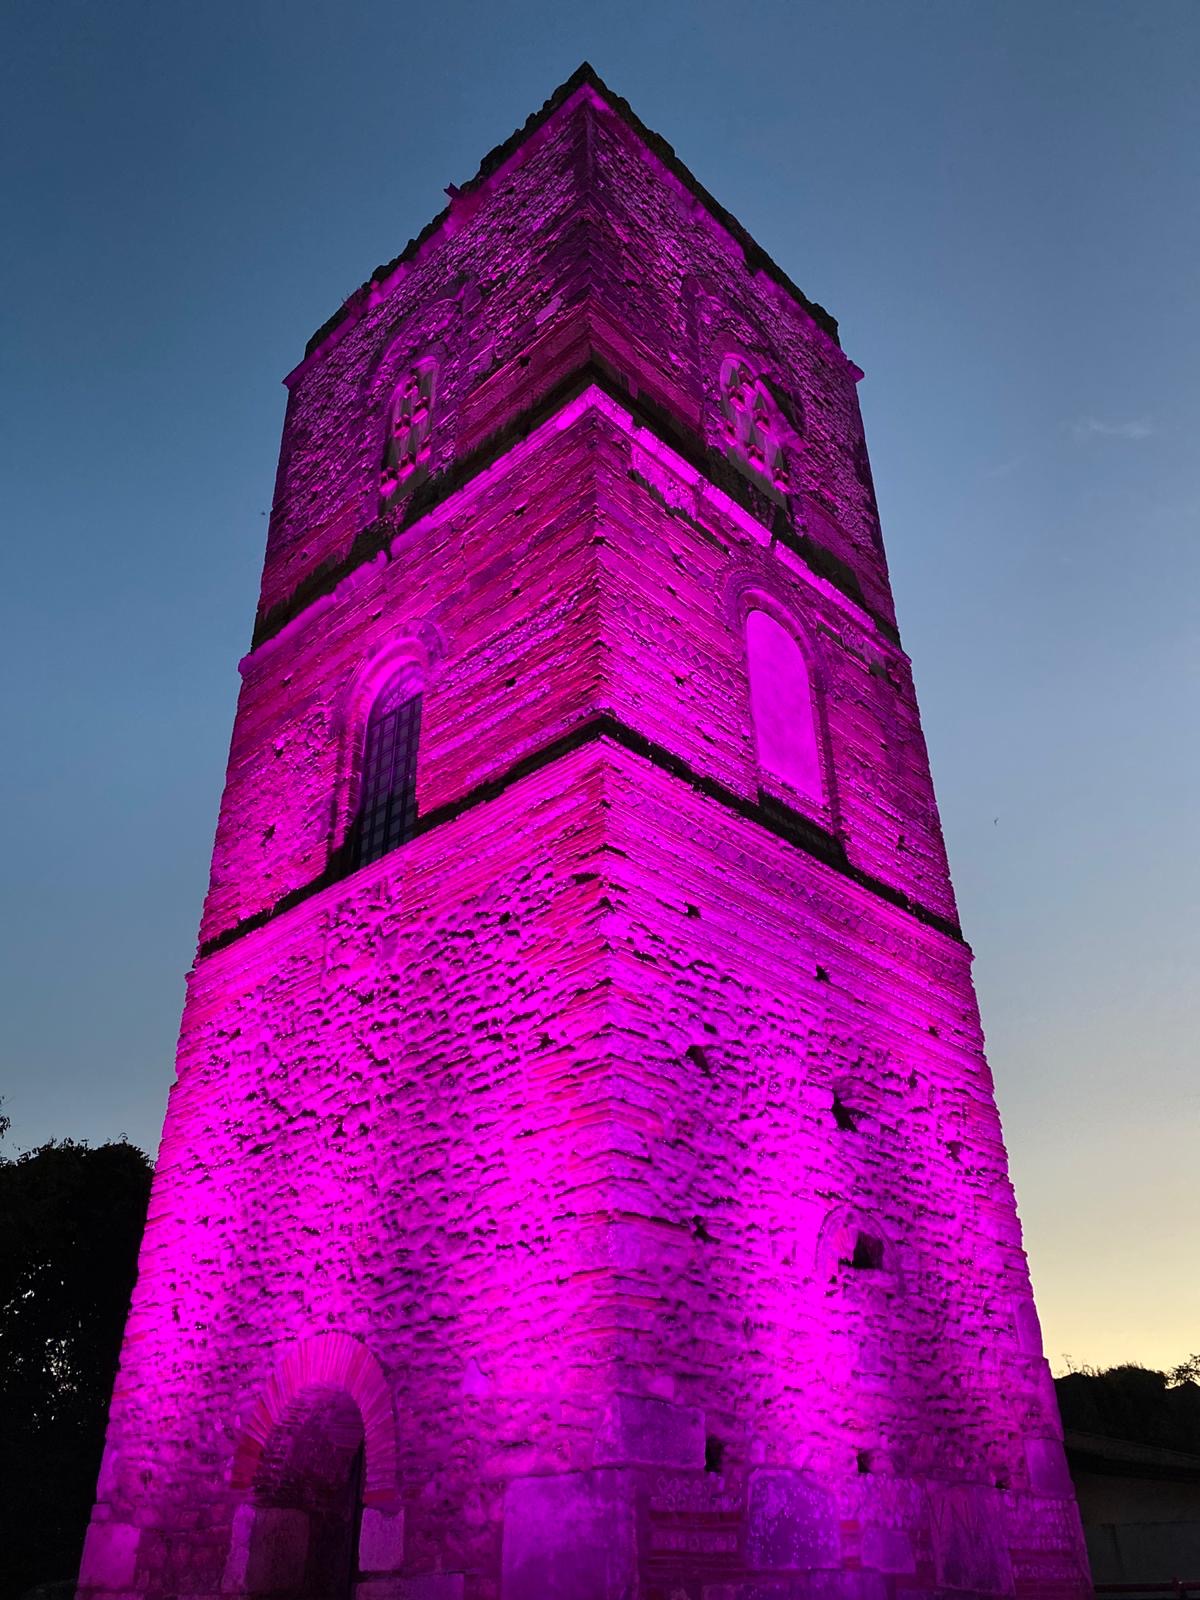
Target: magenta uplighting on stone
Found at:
x=582, y=1178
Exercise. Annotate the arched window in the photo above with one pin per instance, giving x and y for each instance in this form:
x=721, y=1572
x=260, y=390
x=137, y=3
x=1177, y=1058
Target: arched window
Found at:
x=300, y=1535
x=387, y=795
x=853, y=1249
x=781, y=704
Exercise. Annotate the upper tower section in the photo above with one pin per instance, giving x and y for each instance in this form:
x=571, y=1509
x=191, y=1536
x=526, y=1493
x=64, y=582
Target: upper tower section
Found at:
x=583, y=252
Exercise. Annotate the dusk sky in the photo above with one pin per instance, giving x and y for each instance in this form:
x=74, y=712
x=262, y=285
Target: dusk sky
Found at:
x=999, y=201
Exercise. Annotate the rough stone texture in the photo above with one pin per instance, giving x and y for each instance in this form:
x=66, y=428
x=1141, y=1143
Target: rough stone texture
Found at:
x=381, y=1541
x=634, y=1113
x=110, y=1555
x=887, y=1549
x=267, y=1550
x=1048, y=1470
x=791, y=1522
x=969, y=1539
x=641, y=1429
x=431, y=1586
x=569, y=1537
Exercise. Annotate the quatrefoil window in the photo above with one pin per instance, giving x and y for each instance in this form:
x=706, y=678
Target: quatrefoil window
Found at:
x=753, y=424
x=407, y=440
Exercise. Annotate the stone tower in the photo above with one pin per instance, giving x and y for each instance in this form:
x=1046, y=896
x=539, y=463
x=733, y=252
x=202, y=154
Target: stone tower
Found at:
x=582, y=1178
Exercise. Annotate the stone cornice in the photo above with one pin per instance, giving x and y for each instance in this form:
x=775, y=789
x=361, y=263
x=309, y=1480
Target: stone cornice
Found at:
x=594, y=384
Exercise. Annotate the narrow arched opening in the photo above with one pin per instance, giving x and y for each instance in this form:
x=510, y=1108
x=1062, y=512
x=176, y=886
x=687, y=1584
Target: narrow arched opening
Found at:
x=308, y=1495
x=783, y=709
x=386, y=810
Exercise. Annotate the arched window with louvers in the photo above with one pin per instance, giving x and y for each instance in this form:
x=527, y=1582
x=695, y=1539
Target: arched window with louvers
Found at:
x=386, y=811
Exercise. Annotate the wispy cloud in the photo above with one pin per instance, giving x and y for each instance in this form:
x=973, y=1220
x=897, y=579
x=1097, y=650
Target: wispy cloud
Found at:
x=1093, y=428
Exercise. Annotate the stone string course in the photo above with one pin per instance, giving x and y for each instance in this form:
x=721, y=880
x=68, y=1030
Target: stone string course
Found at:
x=532, y=1161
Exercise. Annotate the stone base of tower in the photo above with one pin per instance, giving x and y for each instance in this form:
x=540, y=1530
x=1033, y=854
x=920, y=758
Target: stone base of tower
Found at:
x=648, y=1521
x=356, y=1367
x=660, y=1532
x=653, y=1534
x=780, y=1534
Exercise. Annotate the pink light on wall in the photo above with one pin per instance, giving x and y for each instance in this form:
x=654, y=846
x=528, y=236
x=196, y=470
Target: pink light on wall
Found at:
x=410, y=417
x=590, y=1186
x=781, y=698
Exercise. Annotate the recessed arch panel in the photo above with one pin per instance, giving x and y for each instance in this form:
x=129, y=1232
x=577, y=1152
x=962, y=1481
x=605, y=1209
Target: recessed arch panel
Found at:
x=781, y=701
x=326, y=1361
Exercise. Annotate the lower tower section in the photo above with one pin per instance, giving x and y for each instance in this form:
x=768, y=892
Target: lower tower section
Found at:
x=650, y=1239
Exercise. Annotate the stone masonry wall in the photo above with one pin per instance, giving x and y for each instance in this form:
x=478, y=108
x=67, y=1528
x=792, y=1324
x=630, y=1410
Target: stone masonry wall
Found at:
x=581, y=224
x=549, y=1121
x=591, y=575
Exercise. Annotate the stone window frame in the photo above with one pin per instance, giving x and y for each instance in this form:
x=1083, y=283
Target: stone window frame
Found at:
x=413, y=657
x=385, y=815
x=775, y=470
x=837, y=1240
x=415, y=387
x=754, y=596
x=402, y=356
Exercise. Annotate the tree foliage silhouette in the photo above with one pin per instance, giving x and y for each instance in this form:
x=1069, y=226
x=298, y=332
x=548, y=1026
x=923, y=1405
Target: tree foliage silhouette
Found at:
x=1135, y=1403
x=71, y=1221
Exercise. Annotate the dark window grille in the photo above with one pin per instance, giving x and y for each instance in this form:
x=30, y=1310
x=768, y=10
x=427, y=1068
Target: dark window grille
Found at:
x=387, y=807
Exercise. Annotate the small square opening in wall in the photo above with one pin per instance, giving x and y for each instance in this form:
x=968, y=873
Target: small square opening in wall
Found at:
x=700, y=1059
x=867, y=1255
x=844, y=1116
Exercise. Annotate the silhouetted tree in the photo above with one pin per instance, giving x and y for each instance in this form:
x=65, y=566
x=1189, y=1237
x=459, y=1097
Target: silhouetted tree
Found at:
x=1136, y=1403
x=71, y=1221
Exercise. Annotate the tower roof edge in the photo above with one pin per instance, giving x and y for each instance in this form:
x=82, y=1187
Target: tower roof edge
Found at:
x=585, y=77
x=757, y=259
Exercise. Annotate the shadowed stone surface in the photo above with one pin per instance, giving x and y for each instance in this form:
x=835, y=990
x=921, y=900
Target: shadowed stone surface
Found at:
x=569, y=1538
x=968, y=1540
x=381, y=1541
x=110, y=1555
x=791, y=1522
x=651, y=1432
x=267, y=1551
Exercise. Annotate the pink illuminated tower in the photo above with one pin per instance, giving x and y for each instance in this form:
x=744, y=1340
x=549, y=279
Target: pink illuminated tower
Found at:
x=582, y=1179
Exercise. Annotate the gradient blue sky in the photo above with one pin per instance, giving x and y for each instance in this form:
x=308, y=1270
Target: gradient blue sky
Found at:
x=999, y=201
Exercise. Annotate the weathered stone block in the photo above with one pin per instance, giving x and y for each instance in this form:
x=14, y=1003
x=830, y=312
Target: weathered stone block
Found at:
x=843, y=1586
x=109, y=1556
x=267, y=1550
x=1048, y=1471
x=640, y=1430
x=802, y=1586
x=791, y=1522
x=423, y=1586
x=754, y=1589
x=1029, y=1328
x=381, y=1540
x=969, y=1547
x=887, y=1549
x=571, y=1537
